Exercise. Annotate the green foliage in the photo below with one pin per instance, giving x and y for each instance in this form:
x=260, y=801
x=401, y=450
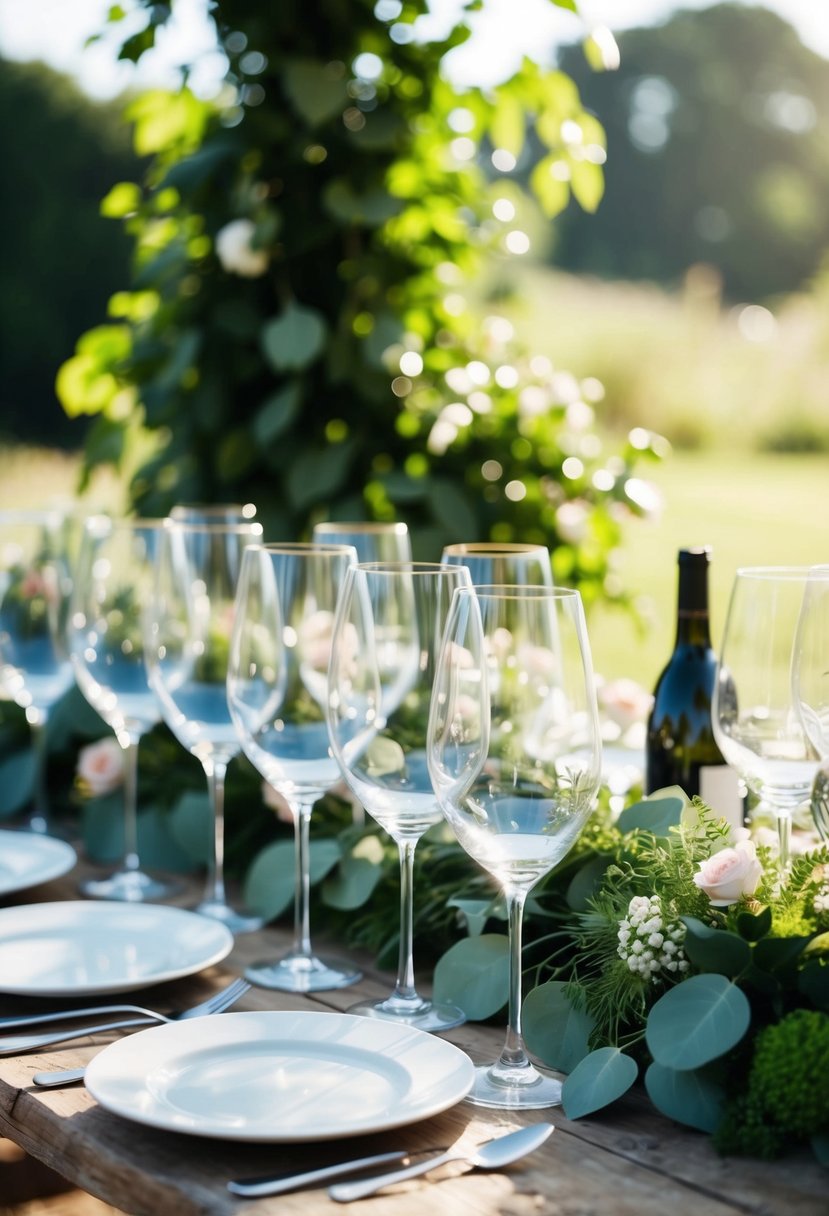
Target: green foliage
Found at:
x=596, y=1081
x=300, y=329
x=474, y=975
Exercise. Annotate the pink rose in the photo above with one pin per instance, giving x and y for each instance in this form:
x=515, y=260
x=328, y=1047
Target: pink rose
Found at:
x=277, y=803
x=730, y=874
x=101, y=766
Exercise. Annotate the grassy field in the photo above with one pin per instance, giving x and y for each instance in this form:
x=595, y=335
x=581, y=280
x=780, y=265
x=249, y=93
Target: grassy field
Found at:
x=753, y=510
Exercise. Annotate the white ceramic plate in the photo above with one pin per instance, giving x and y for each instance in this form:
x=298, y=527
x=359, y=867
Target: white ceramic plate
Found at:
x=27, y=858
x=279, y=1076
x=75, y=948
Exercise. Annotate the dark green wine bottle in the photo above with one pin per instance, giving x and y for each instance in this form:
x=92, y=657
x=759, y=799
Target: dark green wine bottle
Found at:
x=681, y=748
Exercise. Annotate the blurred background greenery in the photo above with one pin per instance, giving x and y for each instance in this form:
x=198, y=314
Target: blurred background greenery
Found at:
x=694, y=300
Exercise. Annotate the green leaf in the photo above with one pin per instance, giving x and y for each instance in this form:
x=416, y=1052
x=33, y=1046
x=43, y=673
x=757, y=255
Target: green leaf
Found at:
x=507, y=126
x=318, y=473
x=688, y=1096
x=373, y=207
x=813, y=982
x=550, y=188
x=270, y=882
x=697, y=1021
x=596, y=1081
x=316, y=90
x=475, y=912
x=554, y=1029
x=585, y=883
x=294, y=339
x=356, y=876
x=753, y=926
x=17, y=779
x=193, y=171
x=715, y=949
x=587, y=184
x=277, y=413
x=656, y=815
x=451, y=506
x=191, y=825
x=774, y=952
x=123, y=199
x=71, y=718
x=474, y=975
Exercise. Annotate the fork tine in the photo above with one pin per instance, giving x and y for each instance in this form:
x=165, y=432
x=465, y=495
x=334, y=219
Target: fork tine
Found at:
x=218, y=1001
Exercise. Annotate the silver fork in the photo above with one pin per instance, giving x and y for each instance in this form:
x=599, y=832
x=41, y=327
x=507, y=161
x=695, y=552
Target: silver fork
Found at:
x=12, y=1045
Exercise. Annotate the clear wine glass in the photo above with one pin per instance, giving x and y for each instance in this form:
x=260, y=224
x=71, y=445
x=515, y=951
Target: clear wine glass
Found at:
x=213, y=512
x=276, y=687
x=112, y=585
x=810, y=684
x=186, y=649
x=35, y=670
x=491, y=562
x=386, y=635
x=514, y=750
x=753, y=713
x=374, y=540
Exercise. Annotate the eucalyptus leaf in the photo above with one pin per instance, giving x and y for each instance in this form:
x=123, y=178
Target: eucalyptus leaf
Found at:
x=656, y=815
x=712, y=949
x=813, y=982
x=277, y=413
x=585, y=883
x=597, y=1080
x=17, y=779
x=316, y=90
x=355, y=878
x=474, y=975
x=102, y=827
x=451, y=506
x=554, y=1029
x=697, y=1021
x=191, y=825
x=774, y=952
x=318, y=472
x=295, y=338
x=754, y=926
x=270, y=881
x=687, y=1096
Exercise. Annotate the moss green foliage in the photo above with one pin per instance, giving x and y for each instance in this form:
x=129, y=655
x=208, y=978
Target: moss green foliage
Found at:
x=343, y=370
x=786, y=1098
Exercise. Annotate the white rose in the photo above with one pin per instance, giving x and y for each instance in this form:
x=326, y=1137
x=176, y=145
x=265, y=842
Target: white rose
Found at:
x=730, y=874
x=624, y=702
x=101, y=766
x=235, y=250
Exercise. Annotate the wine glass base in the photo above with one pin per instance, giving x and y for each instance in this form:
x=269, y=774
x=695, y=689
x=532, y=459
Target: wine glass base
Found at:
x=535, y=1093
x=129, y=886
x=302, y=973
x=236, y=922
x=425, y=1016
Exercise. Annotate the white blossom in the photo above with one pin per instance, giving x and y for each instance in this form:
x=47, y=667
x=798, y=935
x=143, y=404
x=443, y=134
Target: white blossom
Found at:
x=647, y=944
x=235, y=251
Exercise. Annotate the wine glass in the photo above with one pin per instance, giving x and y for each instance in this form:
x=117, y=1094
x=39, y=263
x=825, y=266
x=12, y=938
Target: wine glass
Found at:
x=810, y=684
x=112, y=585
x=753, y=713
x=186, y=649
x=491, y=562
x=514, y=750
x=213, y=512
x=35, y=670
x=276, y=687
x=374, y=540
x=386, y=634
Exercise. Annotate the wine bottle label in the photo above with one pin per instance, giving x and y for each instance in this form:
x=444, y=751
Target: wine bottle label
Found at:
x=719, y=787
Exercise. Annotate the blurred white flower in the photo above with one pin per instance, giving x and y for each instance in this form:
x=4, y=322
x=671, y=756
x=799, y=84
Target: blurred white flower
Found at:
x=624, y=702
x=571, y=521
x=101, y=766
x=235, y=250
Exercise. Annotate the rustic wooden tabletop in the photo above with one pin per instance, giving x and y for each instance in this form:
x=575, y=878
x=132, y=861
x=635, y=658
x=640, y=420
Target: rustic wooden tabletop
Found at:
x=627, y=1161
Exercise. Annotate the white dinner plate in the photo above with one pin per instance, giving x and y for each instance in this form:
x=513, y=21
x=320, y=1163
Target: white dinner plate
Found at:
x=27, y=858
x=75, y=948
x=279, y=1076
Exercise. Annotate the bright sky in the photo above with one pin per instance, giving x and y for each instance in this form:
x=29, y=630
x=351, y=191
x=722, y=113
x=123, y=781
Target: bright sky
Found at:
x=55, y=31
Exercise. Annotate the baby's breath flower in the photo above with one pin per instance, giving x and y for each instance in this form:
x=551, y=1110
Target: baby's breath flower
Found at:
x=647, y=944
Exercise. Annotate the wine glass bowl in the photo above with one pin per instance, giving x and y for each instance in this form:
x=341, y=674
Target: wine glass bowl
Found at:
x=386, y=637
x=113, y=582
x=755, y=721
x=493, y=562
x=374, y=540
x=35, y=669
x=187, y=647
x=810, y=684
x=514, y=750
x=276, y=688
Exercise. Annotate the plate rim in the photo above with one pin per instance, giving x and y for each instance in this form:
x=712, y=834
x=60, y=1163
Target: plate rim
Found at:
x=137, y=1043
x=98, y=910
x=65, y=858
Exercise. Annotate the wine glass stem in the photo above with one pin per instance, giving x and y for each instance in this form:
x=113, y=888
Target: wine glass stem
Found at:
x=784, y=838
x=302, y=890
x=404, y=988
x=216, y=770
x=39, y=819
x=130, y=747
x=513, y=1054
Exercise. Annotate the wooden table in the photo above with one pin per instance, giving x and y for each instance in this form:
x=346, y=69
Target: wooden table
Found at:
x=627, y=1160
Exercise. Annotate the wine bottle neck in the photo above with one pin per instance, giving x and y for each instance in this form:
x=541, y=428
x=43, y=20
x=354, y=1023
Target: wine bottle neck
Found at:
x=693, y=625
